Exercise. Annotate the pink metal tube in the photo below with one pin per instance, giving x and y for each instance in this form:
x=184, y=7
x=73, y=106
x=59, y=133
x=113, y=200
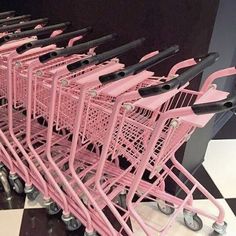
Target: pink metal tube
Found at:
x=28, y=135
x=102, y=161
x=79, y=112
x=48, y=152
x=221, y=214
x=216, y=75
x=181, y=65
x=10, y=121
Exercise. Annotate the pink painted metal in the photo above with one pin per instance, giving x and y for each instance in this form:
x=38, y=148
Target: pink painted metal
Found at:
x=73, y=156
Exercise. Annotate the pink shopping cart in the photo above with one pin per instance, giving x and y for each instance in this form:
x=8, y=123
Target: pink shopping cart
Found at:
x=68, y=219
x=7, y=55
x=156, y=146
x=13, y=57
x=55, y=164
x=51, y=119
x=100, y=119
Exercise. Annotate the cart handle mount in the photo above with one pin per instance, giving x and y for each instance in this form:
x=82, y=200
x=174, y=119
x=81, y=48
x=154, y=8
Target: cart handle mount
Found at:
x=139, y=67
x=65, y=52
x=33, y=32
x=53, y=40
x=185, y=77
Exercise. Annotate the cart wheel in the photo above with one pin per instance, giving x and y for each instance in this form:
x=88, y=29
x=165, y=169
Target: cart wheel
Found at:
x=121, y=201
x=219, y=229
x=72, y=224
x=90, y=234
x=4, y=169
x=53, y=208
x=166, y=208
x=32, y=194
x=195, y=224
x=17, y=185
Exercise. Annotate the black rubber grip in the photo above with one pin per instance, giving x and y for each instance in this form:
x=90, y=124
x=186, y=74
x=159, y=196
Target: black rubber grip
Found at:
x=104, y=56
x=7, y=14
x=53, y=40
x=13, y=20
x=28, y=24
x=76, y=49
x=215, y=107
x=182, y=79
x=141, y=66
x=33, y=32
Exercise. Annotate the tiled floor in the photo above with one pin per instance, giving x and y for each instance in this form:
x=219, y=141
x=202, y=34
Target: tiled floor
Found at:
x=218, y=175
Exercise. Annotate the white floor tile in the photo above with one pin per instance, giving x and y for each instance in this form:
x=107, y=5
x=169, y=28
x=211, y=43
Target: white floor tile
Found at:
x=10, y=222
x=220, y=163
x=38, y=203
x=149, y=212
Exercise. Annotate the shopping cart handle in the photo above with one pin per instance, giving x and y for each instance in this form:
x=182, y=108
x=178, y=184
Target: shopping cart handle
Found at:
x=33, y=32
x=53, y=40
x=215, y=107
x=182, y=79
x=7, y=14
x=141, y=66
x=104, y=56
x=77, y=48
x=28, y=24
x=13, y=20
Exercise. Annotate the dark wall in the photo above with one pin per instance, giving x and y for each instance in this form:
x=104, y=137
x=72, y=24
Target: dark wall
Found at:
x=188, y=23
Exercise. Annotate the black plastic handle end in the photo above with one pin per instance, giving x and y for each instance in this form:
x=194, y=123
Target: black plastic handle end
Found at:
x=211, y=56
x=182, y=79
x=215, y=107
x=158, y=89
x=141, y=66
x=7, y=14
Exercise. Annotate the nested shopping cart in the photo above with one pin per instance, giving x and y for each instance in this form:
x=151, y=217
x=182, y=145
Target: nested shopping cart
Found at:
x=53, y=97
x=23, y=58
x=11, y=57
x=156, y=146
x=82, y=73
x=10, y=101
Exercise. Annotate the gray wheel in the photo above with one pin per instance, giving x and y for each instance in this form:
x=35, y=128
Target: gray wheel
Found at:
x=17, y=185
x=73, y=224
x=33, y=194
x=53, y=208
x=167, y=208
x=219, y=229
x=4, y=169
x=195, y=224
x=121, y=200
x=90, y=234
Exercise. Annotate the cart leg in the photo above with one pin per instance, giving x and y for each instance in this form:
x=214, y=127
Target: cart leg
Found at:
x=219, y=226
x=6, y=185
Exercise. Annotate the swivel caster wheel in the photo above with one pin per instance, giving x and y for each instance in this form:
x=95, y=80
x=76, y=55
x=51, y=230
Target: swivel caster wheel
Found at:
x=90, y=234
x=4, y=169
x=16, y=183
x=31, y=193
x=71, y=223
x=121, y=201
x=52, y=208
x=166, y=208
x=219, y=229
x=192, y=221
